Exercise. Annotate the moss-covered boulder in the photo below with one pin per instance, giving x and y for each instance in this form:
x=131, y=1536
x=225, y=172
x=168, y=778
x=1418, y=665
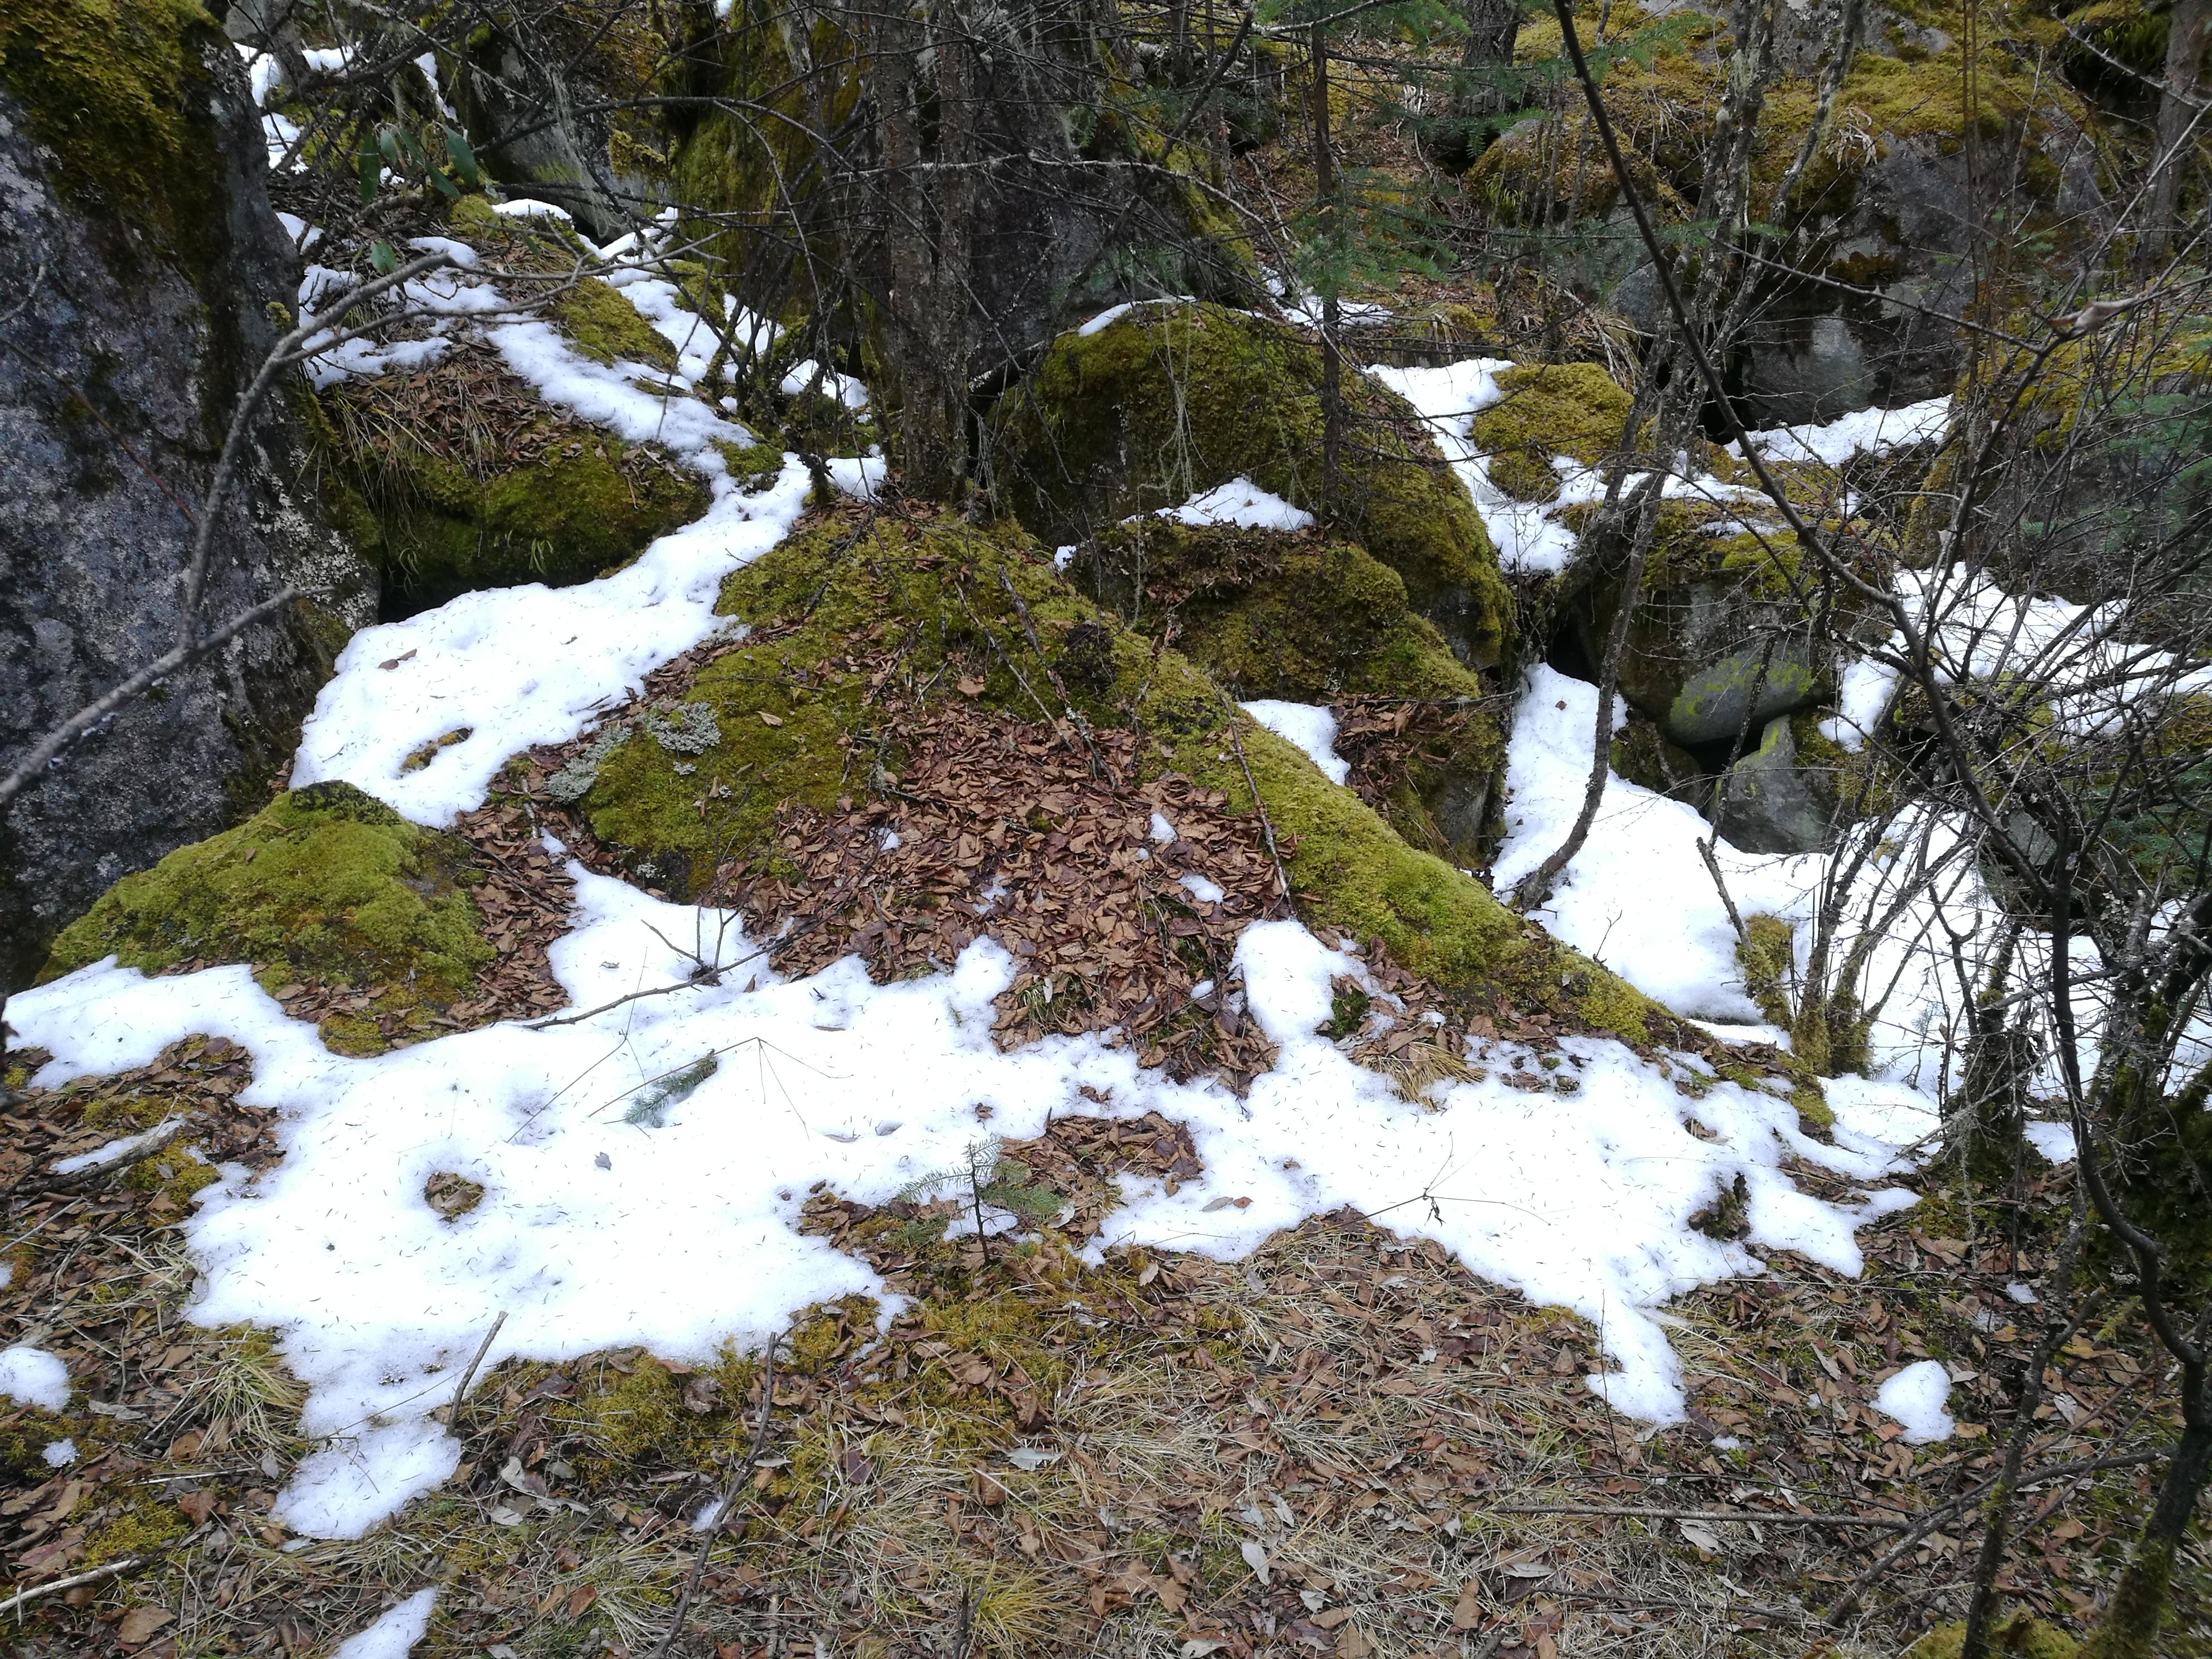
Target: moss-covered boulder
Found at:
x=324, y=883
x=459, y=476
x=1169, y=400
x=1875, y=213
x=794, y=709
x=1294, y=615
x=147, y=277
x=1549, y=409
x=1721, y=626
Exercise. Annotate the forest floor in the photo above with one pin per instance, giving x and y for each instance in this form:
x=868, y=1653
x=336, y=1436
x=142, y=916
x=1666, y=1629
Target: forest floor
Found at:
x=1347, y=1444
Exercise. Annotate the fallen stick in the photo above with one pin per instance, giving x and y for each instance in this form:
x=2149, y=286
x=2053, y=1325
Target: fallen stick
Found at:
x=136, y=1149
x=1773, y=1518
x=453, y=1411
x=22, y=1599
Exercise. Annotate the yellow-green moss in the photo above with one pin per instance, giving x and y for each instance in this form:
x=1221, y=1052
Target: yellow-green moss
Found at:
x=326, y=881
x=2022, y=1636
x=117, y=90
x=24, y=1438
x=1269, y=614
x=1765, y=954
x=1172, y=399
x=606, y=327
x=1575, y=410
x=436, y=526
x=918, y=589
x=146, y=1526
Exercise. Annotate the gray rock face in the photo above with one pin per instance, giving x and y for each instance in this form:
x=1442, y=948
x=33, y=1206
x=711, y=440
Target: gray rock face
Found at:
x=1710, y=708
x=1769, y=804
x=128, y=332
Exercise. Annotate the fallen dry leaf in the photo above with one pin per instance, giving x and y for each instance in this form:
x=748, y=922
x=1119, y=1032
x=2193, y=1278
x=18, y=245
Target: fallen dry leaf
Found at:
x=140, y=1623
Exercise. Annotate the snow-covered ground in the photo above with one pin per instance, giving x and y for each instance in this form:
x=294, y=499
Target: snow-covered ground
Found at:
x=611, y=1194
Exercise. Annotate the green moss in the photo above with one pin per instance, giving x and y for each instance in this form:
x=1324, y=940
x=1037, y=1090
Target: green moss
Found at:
x=441, y=506
x=920, y=590
x=1574, y=410
x=325, y=882
x=117, y=90
x=1173, y=399
x=640, y=1417
x=25, y=1434
x=146, y=1526
x=1266, y=614
x=2022, y=1636
x=606, y=327
x=1814, y=1115
x=1269, y=614
x=1766, y=955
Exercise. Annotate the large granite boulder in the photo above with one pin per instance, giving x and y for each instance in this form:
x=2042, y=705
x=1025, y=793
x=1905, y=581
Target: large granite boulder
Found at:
x=142, y=278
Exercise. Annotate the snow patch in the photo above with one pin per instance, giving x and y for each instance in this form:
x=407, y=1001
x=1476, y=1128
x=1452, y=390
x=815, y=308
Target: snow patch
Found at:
x=1915, y=1397
x=33, y=1377
x=396, y=1631
x=1309, y=725
x=1240, y=502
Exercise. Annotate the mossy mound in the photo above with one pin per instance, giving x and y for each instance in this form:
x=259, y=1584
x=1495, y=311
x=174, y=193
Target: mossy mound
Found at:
x=458, y=477
x=1169, y=400
x=1270, y=614
x=794, y=710
x=607, y=328
x=326, y=883
x=1574, y=410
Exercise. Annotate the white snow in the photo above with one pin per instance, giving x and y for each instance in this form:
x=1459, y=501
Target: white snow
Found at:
x=2055, y=1141
x=597, y=1226
x=533, y=665
x=1868, y=431
x=2023, y=1294
x=1309, y=725
x=1113, y=315
x=1205, y=891
x=610, y=1194
x=1240, y=502
x=844, y=387
x=60, y=1454
x=35, y=1377
x=1915, y=1397
x=1638, y=898
x=396, y=1631
x=527, y=207
x=1862, y=696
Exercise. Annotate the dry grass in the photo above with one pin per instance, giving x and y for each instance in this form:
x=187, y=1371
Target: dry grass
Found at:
x=1358, y=1409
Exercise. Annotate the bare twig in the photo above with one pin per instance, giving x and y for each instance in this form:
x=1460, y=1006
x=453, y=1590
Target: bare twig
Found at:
x=1765, y=1517
x=460, y=1394
x=725, y=1502
x=1266, y=829
x=22, y=1599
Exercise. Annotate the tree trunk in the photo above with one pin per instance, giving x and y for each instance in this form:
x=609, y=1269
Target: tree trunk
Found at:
x=2177, y=127
x=2145, y=1595
x=929, y=193
x=1332, y=366
x=1479, y=93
